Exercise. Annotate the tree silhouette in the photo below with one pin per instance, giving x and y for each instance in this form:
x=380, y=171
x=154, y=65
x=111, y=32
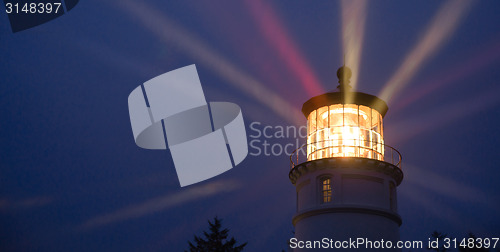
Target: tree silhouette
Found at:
x=215, y=241
x=477, y=246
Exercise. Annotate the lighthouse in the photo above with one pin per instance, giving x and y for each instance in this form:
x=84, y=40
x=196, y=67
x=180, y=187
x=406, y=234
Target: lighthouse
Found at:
x=345, y=176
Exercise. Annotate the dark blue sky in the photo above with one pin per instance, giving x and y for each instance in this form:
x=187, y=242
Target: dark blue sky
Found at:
x=72, y=178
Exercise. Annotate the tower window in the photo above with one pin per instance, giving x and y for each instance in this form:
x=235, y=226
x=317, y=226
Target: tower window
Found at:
x=326, y=190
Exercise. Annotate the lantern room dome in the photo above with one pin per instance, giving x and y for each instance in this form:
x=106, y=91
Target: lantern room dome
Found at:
x=357, y=98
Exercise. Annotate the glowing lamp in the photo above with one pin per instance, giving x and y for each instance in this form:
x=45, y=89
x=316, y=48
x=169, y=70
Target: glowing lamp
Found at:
x=345, y=123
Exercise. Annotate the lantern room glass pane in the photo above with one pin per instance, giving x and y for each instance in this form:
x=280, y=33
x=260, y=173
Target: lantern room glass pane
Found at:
x=350, y=115
x=364, y=117
x=311, y=122
x=345, y=130
x=322, y=117
x=322, y=132
x=336, y=118
x=381, y=127
x=375, y=121
x=350, y=131
x=311, y=135
x=377, y=141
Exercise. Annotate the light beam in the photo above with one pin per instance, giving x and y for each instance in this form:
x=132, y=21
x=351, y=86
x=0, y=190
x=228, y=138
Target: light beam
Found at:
x=444, y=115
x=353, y=15
x=463, y=69
x=439, y=30
x=161, y=203
x=276, y=34
x=169, y=32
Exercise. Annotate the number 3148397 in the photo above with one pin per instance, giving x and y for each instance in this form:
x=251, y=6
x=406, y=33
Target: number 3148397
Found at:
x=32, y=8
x=471, y=243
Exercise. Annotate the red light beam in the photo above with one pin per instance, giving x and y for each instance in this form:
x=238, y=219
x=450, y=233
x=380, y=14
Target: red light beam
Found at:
x=277, y=36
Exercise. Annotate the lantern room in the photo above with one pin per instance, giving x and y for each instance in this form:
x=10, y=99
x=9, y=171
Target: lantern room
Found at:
x=345, y=123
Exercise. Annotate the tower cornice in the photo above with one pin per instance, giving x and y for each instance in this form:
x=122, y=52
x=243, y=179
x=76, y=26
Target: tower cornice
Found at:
x=352, y=163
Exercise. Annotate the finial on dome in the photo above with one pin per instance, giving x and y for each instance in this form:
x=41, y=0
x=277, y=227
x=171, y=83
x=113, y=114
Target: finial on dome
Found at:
x=344, y=74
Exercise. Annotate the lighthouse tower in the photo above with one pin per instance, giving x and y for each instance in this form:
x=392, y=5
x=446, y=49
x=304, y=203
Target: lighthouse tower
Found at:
x=345, y=175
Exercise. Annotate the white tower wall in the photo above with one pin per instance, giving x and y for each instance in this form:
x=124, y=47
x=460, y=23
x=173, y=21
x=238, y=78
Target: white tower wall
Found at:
x=363, y=202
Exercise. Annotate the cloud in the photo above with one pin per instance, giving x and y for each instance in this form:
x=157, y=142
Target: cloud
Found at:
x=161, y=203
